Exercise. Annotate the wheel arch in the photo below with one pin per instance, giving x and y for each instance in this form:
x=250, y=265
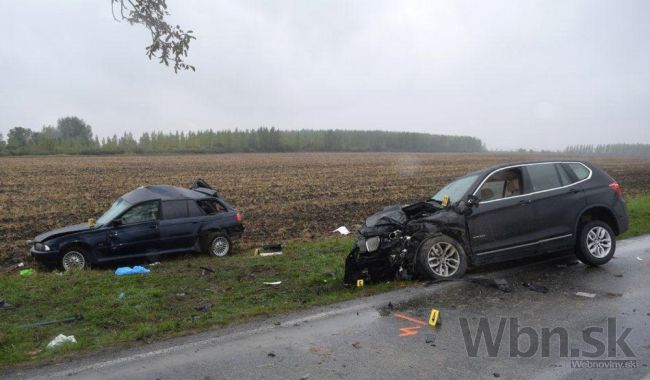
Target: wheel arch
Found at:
x=597, y=212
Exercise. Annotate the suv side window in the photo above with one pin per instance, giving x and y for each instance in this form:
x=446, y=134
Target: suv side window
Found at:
x=502, y=184
x=564, y=176
x=543, y=177
x=174, y=209
x=143, y=212
x=579, y=170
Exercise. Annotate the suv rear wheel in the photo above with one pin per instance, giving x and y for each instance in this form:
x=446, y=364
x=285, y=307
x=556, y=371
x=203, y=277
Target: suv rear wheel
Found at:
x=596, y=244
x=442, y=258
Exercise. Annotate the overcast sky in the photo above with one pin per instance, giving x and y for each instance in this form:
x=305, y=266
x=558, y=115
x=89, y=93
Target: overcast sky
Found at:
x=534, y=74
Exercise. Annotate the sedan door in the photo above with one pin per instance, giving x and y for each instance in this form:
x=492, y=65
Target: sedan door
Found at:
x=502, y=224
x=138, y=232
x=179, y=226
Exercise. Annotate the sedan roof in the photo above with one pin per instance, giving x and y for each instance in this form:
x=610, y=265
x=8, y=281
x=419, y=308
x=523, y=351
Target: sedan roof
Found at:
x=161, y=192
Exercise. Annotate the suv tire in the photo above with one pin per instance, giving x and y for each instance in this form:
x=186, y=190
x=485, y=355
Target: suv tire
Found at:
x=442, y=258
x=596, y=243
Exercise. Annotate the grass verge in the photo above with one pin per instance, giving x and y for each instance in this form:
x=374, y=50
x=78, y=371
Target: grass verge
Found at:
x=164, y=302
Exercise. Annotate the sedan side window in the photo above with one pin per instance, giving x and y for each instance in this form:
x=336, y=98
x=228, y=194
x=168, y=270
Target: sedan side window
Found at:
x=502, y=184
x=143, y=212
x=174, y=209
x=211, y=207
x=543, y=177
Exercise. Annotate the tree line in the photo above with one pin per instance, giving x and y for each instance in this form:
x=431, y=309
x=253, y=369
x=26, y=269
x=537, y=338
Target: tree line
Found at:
x=72, y=135
x=624, y=149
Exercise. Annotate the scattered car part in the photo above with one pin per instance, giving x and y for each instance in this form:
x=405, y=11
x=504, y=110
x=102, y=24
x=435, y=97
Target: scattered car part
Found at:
x=343, y=230
x=4, y=305
x=52, y=322
x=586, y=295
x=26, y=272
x=125, y=271
x=273, y=283
x=61, y=339
x=536, y=287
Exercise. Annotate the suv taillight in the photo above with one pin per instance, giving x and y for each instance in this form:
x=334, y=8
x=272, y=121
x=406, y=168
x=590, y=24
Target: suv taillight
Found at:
x=617, y=188
x=238, y=217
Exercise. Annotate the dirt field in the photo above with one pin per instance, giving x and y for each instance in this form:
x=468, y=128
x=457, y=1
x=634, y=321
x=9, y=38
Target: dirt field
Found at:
x=282, y=196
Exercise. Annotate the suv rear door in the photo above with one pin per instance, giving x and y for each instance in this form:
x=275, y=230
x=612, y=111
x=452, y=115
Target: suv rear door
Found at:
x=557, y=199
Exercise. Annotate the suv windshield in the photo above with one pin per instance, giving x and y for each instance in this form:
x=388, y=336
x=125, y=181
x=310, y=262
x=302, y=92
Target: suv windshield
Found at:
x=116, y=209
x=455, y=189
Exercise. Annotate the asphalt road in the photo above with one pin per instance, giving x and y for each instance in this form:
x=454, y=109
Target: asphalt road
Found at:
x=369, y=339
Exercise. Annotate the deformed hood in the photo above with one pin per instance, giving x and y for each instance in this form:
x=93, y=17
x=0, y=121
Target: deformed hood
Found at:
x=390, y=215
x=62, y=231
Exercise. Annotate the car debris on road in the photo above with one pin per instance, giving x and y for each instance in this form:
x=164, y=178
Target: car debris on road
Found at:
x=536, y=287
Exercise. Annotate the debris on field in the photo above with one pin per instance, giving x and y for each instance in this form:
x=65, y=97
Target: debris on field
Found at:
x=638, y=258
x=180, y=294
x=61, y=339
x=154, y=264
x=273, y=283
x=269, y=250
x=65, y=320
x=356, y=345
x=26, y=272
x=123, y=271
x=204, y=307
x=343, y=230
x=121, y=296
x=14, y=267
x=4, y=305
x=433, y=318
x=584, y=294
x=536, y=287
x=206, y=270
x=499, y=283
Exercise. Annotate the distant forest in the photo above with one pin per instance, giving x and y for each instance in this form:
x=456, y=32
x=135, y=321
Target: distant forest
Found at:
x=621, y=149
x=72, y=135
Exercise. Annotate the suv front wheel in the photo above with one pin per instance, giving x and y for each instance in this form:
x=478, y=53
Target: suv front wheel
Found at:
x=596, y=244
x=442, y=257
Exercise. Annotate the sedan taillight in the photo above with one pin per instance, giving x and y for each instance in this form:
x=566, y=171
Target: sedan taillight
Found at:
x=238, y=217
x=617, y=188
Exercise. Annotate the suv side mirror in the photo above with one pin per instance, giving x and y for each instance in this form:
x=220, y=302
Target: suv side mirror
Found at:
x=117, y=222
x=473, y=200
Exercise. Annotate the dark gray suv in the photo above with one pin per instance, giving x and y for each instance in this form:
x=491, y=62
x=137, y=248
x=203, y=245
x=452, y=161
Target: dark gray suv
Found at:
x=500, y=213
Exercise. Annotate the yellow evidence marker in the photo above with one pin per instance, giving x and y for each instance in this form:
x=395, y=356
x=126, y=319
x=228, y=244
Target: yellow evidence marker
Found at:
x=433, y=318
x=359, y=283
x=445, y=201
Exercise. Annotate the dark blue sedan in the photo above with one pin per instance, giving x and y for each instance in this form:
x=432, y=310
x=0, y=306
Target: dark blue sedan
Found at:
x=148, y=221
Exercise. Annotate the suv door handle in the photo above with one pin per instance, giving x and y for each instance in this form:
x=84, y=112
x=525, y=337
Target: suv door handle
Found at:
x=525, y=202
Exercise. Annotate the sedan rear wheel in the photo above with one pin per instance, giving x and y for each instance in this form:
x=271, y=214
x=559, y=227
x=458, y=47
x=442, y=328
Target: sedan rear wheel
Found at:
x=218, y=244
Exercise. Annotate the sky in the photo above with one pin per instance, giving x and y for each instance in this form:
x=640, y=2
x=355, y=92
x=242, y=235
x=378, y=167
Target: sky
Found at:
x=532, y=74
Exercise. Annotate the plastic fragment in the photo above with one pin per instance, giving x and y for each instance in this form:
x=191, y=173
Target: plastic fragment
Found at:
x=61, y=339
x=343, y=230
x=122, y=271
x=584, y=294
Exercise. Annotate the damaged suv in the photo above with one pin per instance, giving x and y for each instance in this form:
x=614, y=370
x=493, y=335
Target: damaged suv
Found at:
x=500, y=213
x=148, y=221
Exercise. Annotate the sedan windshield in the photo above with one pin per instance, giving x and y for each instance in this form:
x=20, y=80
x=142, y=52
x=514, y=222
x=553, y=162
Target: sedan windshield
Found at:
x=116, y=210
x=455, y=189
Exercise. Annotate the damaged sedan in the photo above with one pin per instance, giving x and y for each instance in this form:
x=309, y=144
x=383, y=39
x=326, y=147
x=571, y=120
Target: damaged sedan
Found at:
x=147, y=222
x=501, y=213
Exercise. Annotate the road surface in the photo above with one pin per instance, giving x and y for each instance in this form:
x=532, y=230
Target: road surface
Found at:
x=388, y=336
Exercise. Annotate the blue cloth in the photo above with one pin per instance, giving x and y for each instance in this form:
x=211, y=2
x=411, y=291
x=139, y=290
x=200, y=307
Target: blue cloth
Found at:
x=127, y=270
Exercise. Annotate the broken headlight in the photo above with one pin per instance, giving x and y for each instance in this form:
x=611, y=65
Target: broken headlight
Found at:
x=372, y=244
x=41, y=247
